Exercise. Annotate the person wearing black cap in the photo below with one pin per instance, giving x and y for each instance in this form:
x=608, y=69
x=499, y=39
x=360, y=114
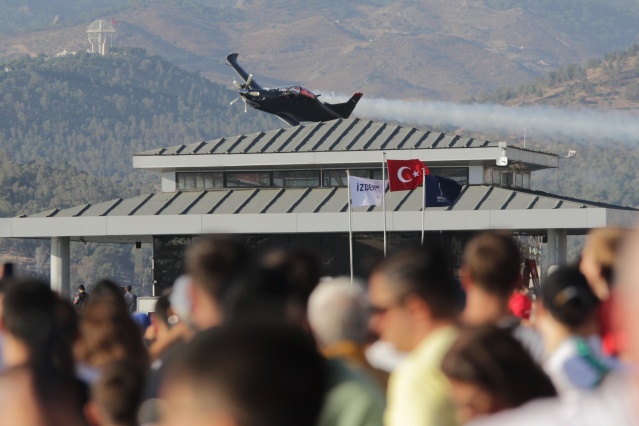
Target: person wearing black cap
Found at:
x=568, y=306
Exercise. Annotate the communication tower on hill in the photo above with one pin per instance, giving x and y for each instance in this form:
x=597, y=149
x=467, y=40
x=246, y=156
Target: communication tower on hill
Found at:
x=99, y=33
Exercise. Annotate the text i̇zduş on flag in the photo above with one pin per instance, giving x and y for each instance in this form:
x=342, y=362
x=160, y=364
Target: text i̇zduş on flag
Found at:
x=404, y=175
x=365, y=192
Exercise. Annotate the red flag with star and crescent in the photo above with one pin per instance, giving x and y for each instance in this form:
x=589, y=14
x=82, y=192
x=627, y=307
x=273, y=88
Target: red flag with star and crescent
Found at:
x=404, y=175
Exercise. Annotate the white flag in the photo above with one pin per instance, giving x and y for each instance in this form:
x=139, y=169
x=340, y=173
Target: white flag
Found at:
x=365, y=192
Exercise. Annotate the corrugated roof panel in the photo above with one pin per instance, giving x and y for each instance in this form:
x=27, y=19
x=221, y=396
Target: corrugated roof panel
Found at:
x=370, y=136
x=310, y=139
x=73, y=211
x=210, y=200
x=416, y=138
x=173, y=150
x=335, y=203
x=319, y=141
x=314, y=199
x=471, y=197
x=259, y=201
x=157, y=151
x=398, y=139
x=155, y=203
x=180, y=203
x=433, y=140
x=287, y=139
x=242, y=144
x=351, y=136
x=383, y=136
x=100, y=209
x=496, y=199
x=191, y=148
x=287, y=200
x=128, y=205
x=335, y=138
x=45, y=213
x=546, y=203
x=267, y=140
x=234, y=201
x=521, y=201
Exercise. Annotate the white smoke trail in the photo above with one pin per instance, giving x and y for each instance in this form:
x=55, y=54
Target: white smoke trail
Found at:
x=582, y=124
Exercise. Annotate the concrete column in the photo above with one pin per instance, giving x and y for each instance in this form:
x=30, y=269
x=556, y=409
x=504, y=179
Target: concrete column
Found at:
x=562, y=247
x=60, y=265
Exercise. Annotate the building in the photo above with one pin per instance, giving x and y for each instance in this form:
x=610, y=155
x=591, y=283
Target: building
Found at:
x=287, y=188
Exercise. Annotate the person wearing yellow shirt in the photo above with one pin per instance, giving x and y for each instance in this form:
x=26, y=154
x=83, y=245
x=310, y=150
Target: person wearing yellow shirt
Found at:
x=414, y=307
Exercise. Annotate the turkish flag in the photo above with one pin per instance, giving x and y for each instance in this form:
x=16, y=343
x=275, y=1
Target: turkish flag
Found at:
x=404, y=175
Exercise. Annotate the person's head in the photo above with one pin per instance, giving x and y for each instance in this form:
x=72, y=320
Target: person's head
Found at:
x=567, y=297
x=598, y=259
x=81, y=287
x=31, y=316
x=411, y=293
x=108, y=334
x=490, y=272
x=160, y=321
x=128, y=288
x=116, y=395
x=213, y=264
x=338, y=311
x=490, y=371
x=240, y=375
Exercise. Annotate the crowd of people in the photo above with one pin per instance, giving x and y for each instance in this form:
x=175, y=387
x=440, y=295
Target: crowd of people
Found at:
x=248, y=340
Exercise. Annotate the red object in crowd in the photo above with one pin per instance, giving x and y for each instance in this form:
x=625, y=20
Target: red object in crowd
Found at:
x=520, y=305
x=404, y=175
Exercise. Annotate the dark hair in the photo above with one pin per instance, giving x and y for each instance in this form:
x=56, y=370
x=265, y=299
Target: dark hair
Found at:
x=107, y=288
x=29, y=314
x=494, y=360
x=425, y=273
x=128, y=288
x=568, y=297
x=214, y=262
x=81, y=287
x=493, y=262
x=272, y=375
x=162, y=306
x=118, y=392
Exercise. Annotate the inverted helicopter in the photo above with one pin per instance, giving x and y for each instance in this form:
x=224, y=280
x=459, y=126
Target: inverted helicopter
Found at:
x=293, y=104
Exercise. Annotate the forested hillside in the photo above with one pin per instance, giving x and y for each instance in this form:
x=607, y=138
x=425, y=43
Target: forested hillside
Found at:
x=611, y=82
x=68, y=127
x=94, y=111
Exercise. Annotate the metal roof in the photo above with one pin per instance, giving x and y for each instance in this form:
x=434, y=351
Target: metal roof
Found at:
x=315, y=200
x=338, y=135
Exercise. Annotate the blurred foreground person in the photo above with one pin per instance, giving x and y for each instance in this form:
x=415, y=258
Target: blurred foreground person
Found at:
x=338, y=313
x=490, y=274
x=564, y=318
x=489, y=371
x=239, y=375
x=616, y=400
x=39, y=386
x=116, y=396
x=414, y=307
x=107, y=334
x=213, y=264
x=598, y=260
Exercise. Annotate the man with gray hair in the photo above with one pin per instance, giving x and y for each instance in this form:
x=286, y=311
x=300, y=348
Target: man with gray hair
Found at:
x=338, y=314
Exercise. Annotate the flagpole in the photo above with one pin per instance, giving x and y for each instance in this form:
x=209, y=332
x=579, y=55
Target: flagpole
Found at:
x=423, y=200
x=384, y=196
x=350, y=221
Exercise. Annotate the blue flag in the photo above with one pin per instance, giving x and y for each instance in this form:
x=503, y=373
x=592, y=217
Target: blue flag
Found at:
x=441, y=191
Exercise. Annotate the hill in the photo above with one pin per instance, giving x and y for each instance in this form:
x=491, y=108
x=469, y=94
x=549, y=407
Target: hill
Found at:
x=94, y=111
x=406, y=49
x=608, y=83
